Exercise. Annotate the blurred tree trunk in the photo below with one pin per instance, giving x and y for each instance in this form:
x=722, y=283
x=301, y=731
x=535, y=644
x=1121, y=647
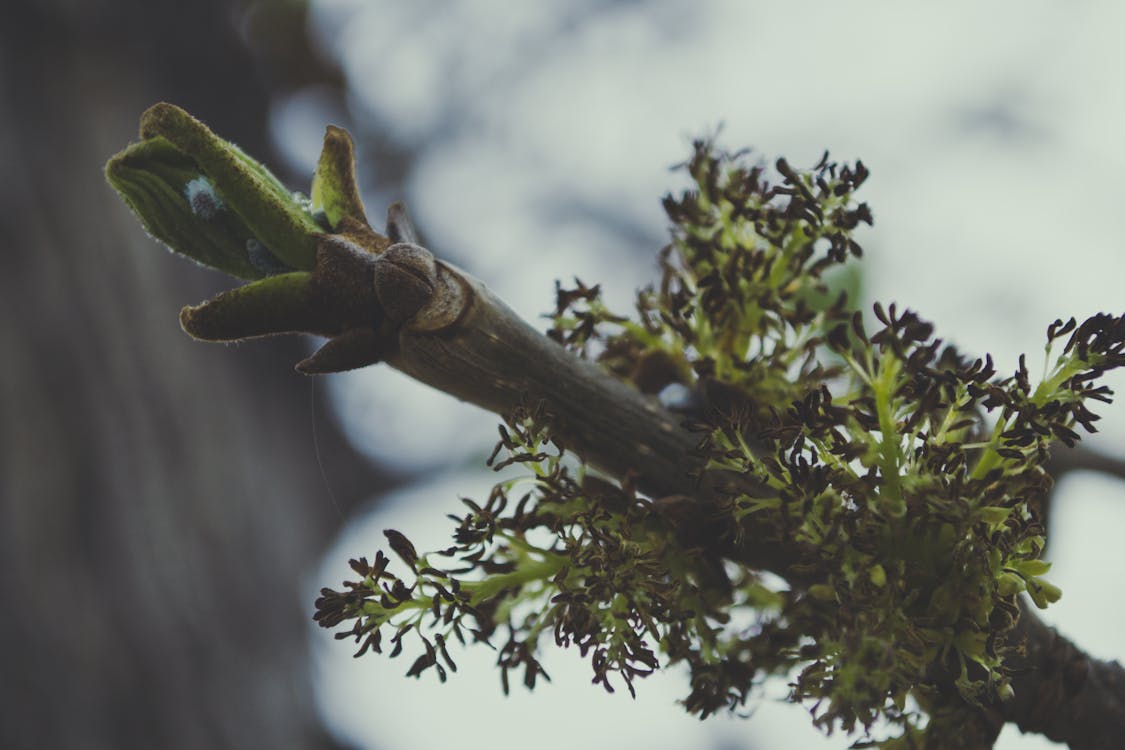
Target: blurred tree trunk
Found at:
x=160, y=501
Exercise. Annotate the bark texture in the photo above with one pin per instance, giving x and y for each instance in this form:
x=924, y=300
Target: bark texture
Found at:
x=1063, y=693
x=160, y=501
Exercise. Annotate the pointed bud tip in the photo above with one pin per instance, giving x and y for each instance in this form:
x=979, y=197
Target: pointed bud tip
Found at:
x=193, y=321
x=337, y=134
x=350, y=350
x=162, y=117
x=334, y=187
x=113, y=167
x=400, y=228
x=306, y=368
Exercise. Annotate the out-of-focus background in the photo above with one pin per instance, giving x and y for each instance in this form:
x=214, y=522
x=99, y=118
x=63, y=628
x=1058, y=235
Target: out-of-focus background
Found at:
x=168, y=509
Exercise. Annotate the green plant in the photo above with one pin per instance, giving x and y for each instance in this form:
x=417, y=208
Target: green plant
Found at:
x=856, y=511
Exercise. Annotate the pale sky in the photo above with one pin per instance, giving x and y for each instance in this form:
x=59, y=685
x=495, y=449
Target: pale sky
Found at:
x=545, y=133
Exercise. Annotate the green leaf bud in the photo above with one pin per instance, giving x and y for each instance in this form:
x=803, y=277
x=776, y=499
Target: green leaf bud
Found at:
x=1042, y=592
x=993, y=515
x=1032, y=568
x=181, y=207
x=206, y=199
x=1008, y=584
x=334, y=189
x=822, y=591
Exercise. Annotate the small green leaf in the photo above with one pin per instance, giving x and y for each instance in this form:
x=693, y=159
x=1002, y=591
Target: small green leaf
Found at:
x=993, y=515
x=334, y=188
x=1042, y=592
x=971, y=643
x=822, y=591
x=275, y=218
x=1008, y=584
x=1032, y=568
x=181, y=207
x=278, y=304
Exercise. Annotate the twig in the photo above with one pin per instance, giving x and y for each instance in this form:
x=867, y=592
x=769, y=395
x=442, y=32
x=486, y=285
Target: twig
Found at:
x=1060, y=691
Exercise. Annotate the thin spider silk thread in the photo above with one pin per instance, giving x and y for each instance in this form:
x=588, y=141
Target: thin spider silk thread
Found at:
x=316, y=449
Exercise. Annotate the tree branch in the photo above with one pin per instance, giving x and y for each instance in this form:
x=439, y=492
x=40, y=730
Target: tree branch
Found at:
x=323, y=270
x=1082, y=458
x=469, y=344
x=1060, y=691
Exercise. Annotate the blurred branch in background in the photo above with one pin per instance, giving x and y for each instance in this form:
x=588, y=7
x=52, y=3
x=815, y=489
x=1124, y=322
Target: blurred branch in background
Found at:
x=153, y=534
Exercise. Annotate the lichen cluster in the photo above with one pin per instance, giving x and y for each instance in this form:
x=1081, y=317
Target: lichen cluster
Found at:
x=904, y=476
